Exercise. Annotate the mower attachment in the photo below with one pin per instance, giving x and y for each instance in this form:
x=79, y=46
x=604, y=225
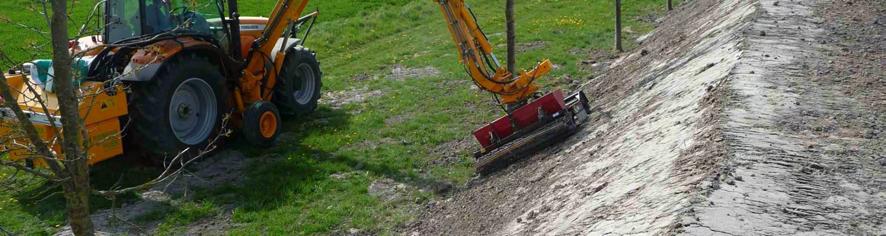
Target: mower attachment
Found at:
x=533, y=126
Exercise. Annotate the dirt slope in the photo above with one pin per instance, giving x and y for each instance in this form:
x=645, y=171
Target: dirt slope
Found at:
x=805, y=116
x=733, y=117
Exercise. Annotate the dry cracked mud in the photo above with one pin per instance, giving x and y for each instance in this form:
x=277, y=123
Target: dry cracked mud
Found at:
x=732, y=118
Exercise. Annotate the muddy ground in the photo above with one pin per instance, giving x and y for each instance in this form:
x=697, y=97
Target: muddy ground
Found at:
x=733, y=117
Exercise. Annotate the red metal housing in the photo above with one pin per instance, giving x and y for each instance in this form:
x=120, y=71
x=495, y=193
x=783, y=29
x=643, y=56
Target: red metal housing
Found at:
x=523, y=117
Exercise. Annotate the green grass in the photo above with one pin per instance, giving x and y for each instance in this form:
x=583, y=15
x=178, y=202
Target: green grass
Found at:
x=295, y=193
x=174, y=218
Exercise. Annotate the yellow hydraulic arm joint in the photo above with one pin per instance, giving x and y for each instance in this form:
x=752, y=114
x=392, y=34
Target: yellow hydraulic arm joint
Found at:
x=257, y=80
x=475, y=52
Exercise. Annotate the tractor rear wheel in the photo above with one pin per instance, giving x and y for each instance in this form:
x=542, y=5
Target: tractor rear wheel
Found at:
x=180, y=108
x=298, y=86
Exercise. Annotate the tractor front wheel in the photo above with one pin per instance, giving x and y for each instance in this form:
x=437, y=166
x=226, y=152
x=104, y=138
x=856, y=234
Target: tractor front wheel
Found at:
x=261, y=124
x=298, y=86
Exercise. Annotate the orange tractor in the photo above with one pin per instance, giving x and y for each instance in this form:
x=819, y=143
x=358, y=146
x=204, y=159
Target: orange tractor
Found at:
x=172, y=70
x=164, y=74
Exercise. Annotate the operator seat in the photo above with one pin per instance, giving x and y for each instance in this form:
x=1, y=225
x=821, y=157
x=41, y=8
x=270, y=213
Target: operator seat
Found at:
x=157, y=17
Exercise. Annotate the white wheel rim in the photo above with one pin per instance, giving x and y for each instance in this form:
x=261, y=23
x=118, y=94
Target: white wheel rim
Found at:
x=192, y=111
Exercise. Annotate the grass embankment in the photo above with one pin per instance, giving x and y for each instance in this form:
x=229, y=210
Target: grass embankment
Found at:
x=390, y=135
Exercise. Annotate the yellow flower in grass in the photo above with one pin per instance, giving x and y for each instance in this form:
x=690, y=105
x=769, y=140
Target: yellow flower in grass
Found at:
x=569, y=21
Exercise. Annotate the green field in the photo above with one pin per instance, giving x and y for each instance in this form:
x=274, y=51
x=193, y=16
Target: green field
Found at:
x=391, y=135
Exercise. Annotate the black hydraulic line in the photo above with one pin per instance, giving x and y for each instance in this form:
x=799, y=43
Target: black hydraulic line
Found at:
x=234, y=34
x=265, y=35
x=465, y=51
x=484, y=55
x=269, y=66
x=221, y=12
x=274, y=23
x=311, y=26
x=480, y=28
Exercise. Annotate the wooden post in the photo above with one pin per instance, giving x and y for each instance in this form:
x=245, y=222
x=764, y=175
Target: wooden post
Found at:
x=670, y=5
x=512, y=37
x=618, y=26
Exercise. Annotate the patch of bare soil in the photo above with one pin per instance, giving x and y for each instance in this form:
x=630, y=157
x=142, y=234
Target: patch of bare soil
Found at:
x=219, y=225
x=374, y=144
x=400, y=72
x=451, y=152
x=397, y=119
x=338, y=99
x=596, y=60
x=364, y=76
x=763, y=116
x=223, y=168
x=530, y=46
x=388, y=190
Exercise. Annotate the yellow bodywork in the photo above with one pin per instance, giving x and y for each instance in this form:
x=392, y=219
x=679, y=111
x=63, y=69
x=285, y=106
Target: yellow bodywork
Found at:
x=474, y=51
x=100, y=111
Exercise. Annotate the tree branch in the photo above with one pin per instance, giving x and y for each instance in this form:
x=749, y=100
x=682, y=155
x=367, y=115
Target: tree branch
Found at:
x=32, y=171
x=5, y=232
x=177, y=166
x=28, y=127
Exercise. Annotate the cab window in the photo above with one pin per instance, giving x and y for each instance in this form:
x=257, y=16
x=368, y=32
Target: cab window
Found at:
x=124, y=20
x=132, y=18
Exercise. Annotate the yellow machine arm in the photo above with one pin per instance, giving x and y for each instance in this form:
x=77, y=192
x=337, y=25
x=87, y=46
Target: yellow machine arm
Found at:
x=257, y=81
x=475, y=52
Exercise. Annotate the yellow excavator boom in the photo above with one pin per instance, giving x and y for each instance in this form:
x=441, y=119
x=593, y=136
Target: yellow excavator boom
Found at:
x=475, y=53
x=257, y=82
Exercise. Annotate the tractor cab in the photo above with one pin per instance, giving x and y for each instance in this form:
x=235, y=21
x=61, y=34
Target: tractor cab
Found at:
x=126, y=19
x=130, y=19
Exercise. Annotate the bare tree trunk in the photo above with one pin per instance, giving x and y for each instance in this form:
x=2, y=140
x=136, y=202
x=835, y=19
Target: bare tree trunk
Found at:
x=76, y=186
x=77, y=192
x=512, y=37
x=618, y=26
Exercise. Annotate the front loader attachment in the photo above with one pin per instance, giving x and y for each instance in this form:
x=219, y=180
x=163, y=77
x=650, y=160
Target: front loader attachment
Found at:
x=532, y=127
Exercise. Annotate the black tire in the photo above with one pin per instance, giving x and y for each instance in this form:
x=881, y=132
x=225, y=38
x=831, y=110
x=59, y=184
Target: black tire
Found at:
x=300, y=70
x=253, y=119
x=149, y=107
